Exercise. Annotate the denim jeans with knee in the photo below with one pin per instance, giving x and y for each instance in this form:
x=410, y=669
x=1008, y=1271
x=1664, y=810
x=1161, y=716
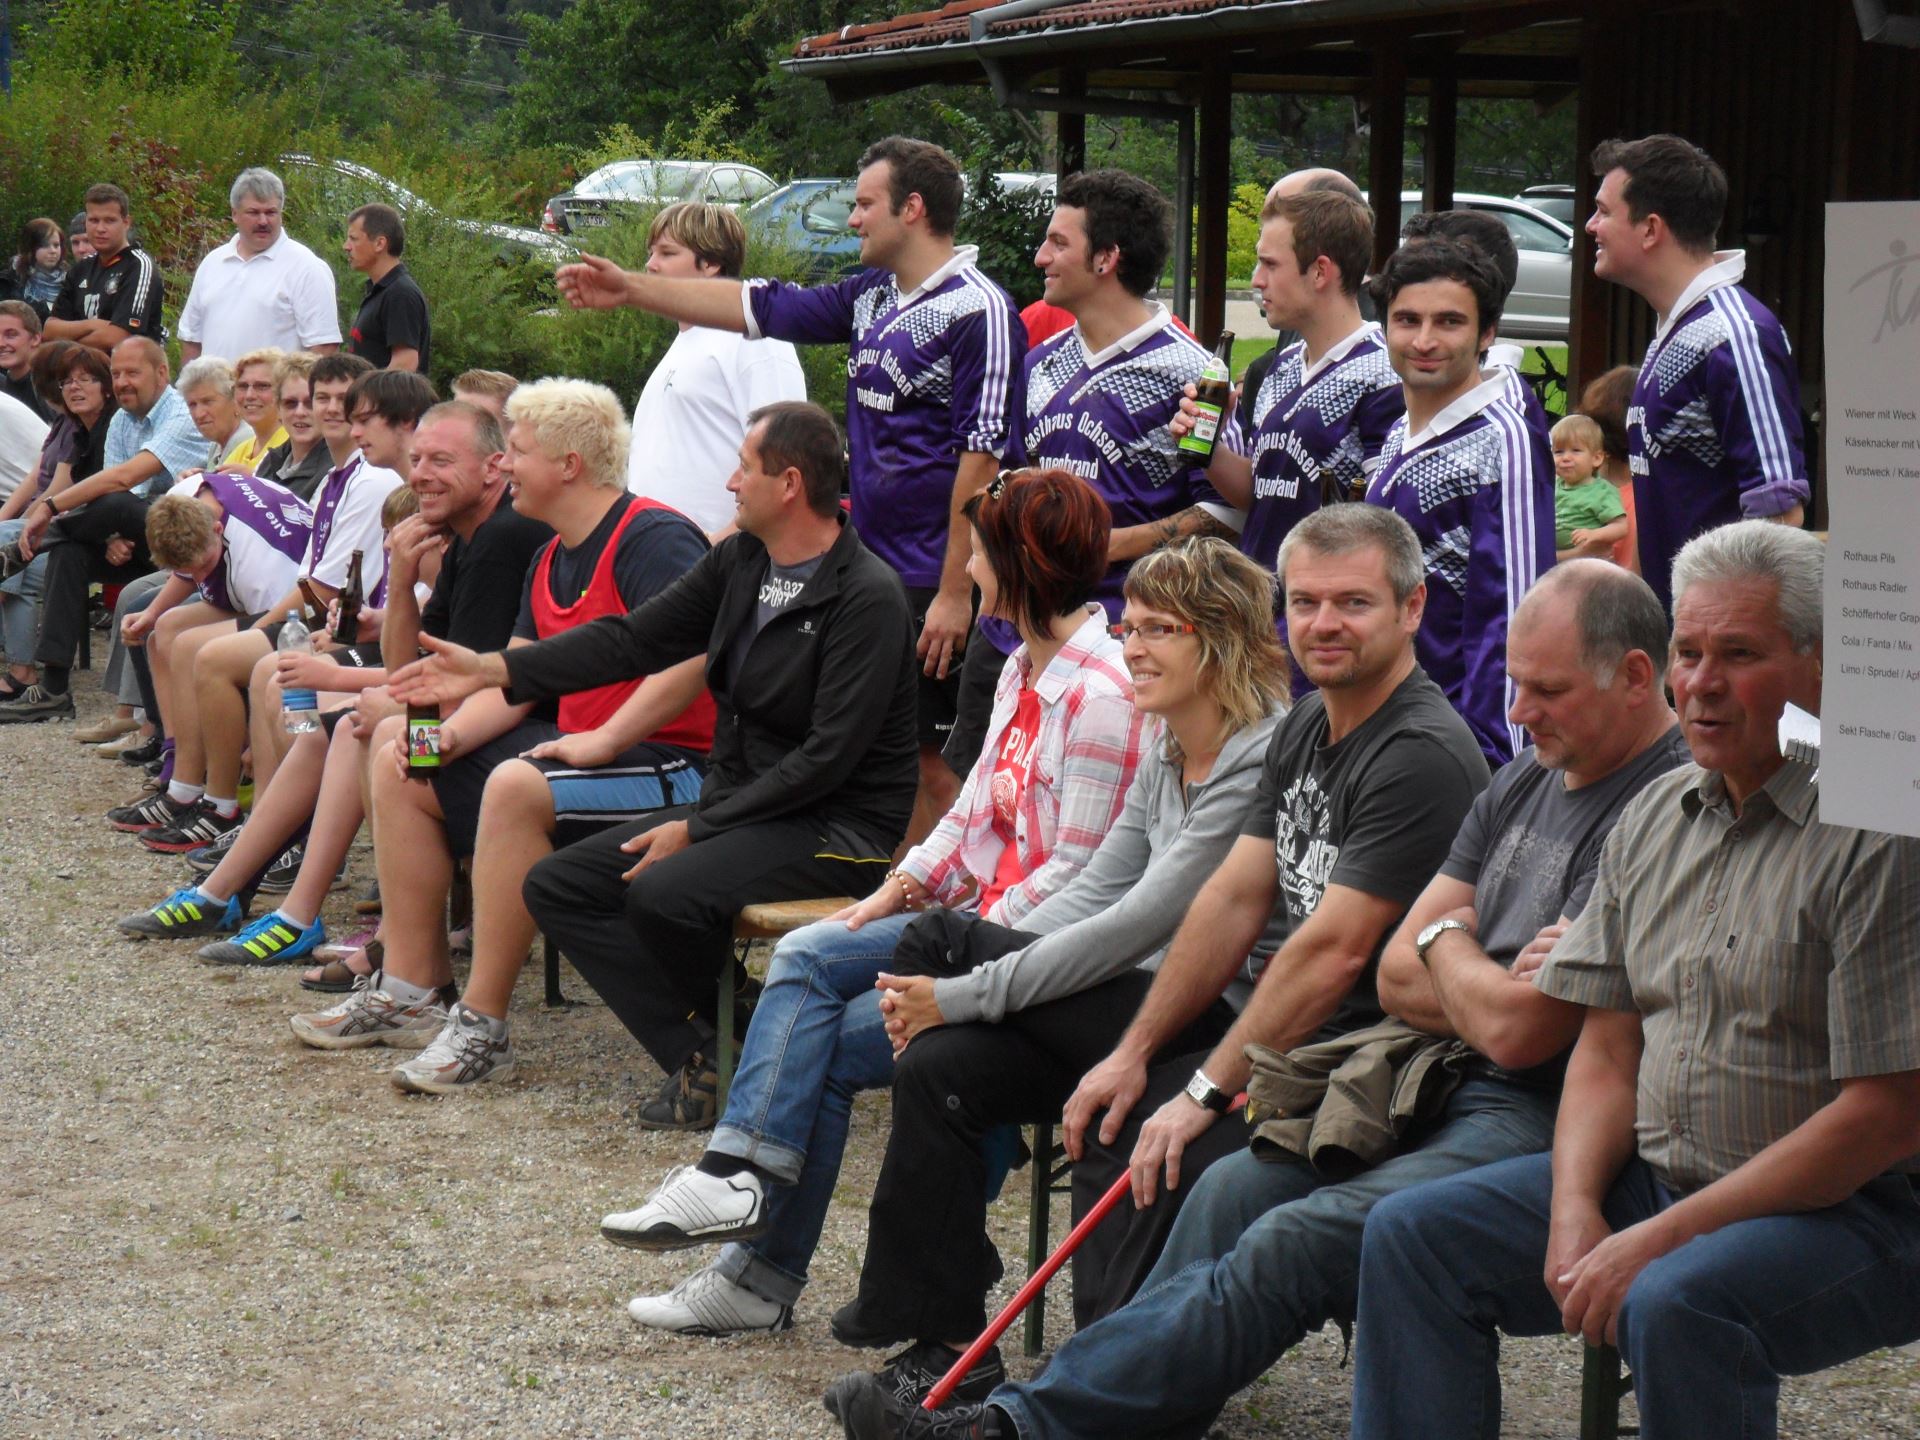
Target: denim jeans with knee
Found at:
x=20, y=600
x=1707, y=1329
x=1264, y=1253
x=817, y=1039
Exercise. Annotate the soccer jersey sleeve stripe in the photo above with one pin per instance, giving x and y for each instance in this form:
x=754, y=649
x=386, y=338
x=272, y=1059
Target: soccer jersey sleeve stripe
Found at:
x=996, y=378
x=1517, y=519
x=1756, y=389
x=143, y=284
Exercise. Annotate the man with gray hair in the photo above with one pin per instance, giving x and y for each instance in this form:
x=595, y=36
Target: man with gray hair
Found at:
x=263, y=287
x=1731, y=1196
x=1267, y=1248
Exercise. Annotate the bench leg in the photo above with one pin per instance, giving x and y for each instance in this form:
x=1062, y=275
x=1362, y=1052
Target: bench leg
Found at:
x=1602, y=1384
x=550, y=953
x=723, y=1032
x=1039, y=1219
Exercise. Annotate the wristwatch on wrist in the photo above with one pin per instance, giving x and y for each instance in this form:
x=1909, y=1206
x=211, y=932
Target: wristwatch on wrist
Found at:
x=1207, y=1095
x=1423, y=942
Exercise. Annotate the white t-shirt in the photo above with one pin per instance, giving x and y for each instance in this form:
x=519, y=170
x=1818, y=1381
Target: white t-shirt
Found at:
x=22, y=436
x=355, y=526
x=692, y=417
x=283, y=296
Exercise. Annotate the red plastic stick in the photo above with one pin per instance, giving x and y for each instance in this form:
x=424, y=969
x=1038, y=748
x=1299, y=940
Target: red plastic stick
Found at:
x=937, y=1396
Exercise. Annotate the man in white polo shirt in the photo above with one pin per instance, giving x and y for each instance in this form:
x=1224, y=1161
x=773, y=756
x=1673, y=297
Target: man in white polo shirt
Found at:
x=261, y=288
x=693, y=412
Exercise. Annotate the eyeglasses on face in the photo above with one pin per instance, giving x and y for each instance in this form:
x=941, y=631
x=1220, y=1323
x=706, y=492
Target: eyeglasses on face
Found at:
x=1153, y=632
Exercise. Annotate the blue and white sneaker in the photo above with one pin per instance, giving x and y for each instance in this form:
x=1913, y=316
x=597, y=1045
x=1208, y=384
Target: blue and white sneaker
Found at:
x=185, y=914
x=273, y=939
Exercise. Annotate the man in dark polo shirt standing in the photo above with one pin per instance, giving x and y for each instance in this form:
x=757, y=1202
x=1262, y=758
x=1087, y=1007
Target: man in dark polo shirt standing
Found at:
x=392, y=330
x=113, y=293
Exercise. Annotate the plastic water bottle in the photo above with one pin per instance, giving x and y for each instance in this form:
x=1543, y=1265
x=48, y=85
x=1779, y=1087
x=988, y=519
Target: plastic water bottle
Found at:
x=299, y=709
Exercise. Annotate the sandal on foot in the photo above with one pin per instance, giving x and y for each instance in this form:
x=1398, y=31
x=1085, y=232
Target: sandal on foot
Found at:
x=338, y=975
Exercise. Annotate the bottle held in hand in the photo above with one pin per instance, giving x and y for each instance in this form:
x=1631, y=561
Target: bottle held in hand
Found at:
x=423, y=741
x=299, y=709
x=346, y=624
x=1213, y=393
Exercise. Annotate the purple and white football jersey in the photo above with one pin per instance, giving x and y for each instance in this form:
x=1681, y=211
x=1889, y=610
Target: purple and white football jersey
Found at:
x=1713, y=429
x=1104, y=417
x=1504, y=360
x=1477, y=487
x=930, y=374
x=1316, y=425
x=264, y=535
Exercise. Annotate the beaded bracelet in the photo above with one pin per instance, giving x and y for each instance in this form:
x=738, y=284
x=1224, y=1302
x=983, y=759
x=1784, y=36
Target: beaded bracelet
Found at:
x=906, y=891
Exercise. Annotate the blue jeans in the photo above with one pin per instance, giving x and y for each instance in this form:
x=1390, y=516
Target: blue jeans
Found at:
x=20, y=600
x=1264, y=1252
x=817, y=1040
x=1707, y=1330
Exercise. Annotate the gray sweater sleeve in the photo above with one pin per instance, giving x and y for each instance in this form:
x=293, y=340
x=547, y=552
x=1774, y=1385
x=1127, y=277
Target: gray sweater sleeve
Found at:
x=1142, y=892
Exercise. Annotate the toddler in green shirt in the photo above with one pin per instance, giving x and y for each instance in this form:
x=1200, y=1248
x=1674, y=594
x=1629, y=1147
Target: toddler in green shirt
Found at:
x=1588, y=518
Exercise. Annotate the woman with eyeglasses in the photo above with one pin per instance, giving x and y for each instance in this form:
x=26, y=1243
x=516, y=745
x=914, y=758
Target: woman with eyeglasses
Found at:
x=74, y=382
x=301, y=462
x=1207, y=670
x=1062, y=748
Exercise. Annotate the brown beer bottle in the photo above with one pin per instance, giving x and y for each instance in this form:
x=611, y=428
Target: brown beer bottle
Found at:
x=1213, y=394
x=346, y=626
x=423, y=741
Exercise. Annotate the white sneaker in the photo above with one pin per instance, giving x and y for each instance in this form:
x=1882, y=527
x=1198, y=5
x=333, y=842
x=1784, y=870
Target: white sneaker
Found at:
x=692, y=1208
x=465, y=1052
x=370, y=1016
x=707, y=1303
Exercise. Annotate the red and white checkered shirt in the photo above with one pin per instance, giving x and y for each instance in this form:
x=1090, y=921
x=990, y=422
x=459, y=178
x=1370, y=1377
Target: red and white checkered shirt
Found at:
x=1090, y=740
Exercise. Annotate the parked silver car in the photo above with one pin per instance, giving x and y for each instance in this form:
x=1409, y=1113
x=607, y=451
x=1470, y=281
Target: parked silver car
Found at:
x=638, y=184
x=1541, y=305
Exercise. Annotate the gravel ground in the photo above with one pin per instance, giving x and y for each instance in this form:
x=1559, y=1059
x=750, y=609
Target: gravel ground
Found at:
x=211, y=1231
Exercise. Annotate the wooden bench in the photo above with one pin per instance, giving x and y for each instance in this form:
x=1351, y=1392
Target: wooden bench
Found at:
x=768, y=921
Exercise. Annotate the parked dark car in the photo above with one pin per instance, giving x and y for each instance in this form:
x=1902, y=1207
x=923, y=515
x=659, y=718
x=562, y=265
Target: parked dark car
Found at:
x=628, y=186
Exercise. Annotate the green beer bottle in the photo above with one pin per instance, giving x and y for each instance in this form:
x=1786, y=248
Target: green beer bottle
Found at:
x=1213, y=393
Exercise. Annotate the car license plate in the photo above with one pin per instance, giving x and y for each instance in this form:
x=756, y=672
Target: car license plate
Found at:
x=589, y=217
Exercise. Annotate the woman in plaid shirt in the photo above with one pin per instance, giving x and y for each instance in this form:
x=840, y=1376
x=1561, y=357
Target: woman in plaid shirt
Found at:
x=1060, y=753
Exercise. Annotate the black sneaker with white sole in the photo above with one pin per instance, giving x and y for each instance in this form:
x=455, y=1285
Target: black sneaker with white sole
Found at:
x=910, y=1375
x=200, y=826
x=154, y=812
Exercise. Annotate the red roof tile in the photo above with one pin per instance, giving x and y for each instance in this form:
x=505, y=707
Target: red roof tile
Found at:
x=950, y=22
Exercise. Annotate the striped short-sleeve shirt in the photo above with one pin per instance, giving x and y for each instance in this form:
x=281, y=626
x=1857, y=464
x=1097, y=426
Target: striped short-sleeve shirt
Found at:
x=1770, y=956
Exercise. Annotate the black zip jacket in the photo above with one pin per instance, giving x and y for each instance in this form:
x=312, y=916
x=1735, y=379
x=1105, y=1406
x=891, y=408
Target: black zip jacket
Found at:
x=821, y=716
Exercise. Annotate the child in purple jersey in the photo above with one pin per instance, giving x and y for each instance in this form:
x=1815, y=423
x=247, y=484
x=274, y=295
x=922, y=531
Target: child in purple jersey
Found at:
x=1713, y=429
x=930, y=387
x=1463, y=468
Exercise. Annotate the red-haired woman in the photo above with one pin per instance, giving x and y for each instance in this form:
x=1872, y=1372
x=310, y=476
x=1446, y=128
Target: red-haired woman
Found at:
x=1061, y=750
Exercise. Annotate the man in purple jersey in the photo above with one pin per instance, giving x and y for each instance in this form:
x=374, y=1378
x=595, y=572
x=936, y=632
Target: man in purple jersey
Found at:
x=1713, y=430
x=1096, y=399
x=1463, y=468
x=1322, y=411
x=930, y=387
x=1489, y=235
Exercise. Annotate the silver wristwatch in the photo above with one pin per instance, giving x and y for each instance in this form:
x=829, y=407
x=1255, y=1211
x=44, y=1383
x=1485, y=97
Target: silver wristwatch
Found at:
x=1207, y=1095
x=1424, y=940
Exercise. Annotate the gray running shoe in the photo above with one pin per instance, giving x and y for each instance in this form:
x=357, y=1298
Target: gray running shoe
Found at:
x=465, y=1052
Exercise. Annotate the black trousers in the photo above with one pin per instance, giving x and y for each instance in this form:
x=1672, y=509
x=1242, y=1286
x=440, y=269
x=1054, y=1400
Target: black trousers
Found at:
x=1111, y=1263
x=653, y=947
x=925, y=1276
x=76, y=546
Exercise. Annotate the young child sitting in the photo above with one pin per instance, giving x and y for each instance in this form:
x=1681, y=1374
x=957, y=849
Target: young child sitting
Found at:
x=1588, y=517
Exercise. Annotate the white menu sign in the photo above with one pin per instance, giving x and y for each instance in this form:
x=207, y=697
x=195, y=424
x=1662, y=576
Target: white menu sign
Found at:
x=1870, y=705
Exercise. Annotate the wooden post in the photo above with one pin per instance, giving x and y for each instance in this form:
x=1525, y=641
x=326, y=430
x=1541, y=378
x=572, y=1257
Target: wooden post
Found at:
x=1070, y=135
x=1590, y=335
x=1387, y=139
x=1443, y=118
x=1215, y=176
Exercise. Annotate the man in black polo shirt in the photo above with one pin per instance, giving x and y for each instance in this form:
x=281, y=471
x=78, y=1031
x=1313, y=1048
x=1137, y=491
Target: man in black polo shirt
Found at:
x=113, y=293
x=391, y=330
